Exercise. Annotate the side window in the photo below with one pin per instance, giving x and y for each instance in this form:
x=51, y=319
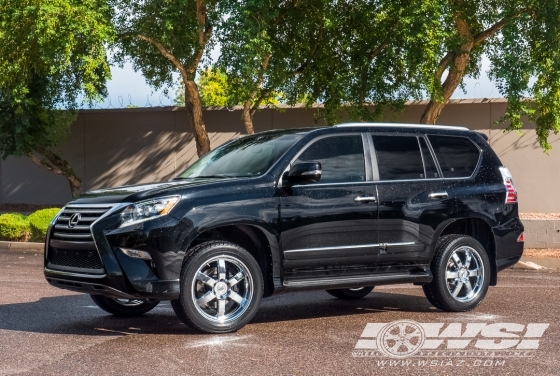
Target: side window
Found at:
x=341, y=158
x=429, y=164
x=398, y=157
x=457, y=156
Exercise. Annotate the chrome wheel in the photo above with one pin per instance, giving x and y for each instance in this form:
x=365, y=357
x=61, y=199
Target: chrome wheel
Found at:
x=222, y=289
x=464, y=274
x=129, y=302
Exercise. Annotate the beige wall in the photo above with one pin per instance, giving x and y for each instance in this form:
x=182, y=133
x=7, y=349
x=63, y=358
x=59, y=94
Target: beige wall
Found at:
x=128, y=146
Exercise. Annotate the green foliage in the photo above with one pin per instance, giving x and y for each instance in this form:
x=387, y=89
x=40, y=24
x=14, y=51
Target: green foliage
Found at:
x=52, y=53
x=14, y=227
x=173, y=24
x=39, y=222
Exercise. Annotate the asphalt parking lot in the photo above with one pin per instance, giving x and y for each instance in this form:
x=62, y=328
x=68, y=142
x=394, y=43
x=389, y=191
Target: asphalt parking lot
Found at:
x=47, y=331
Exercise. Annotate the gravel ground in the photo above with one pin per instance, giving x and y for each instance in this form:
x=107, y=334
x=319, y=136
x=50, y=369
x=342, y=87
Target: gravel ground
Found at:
x=539, y=215
x=542, y=252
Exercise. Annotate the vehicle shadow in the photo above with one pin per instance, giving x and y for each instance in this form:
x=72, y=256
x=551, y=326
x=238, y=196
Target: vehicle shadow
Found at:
x=78, y=315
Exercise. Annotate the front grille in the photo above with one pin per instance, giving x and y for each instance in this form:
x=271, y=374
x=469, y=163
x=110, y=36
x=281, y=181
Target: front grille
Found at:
x=71, y=258
x=75, y=221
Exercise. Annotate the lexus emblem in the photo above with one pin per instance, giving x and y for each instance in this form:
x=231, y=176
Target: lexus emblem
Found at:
x=74, y=219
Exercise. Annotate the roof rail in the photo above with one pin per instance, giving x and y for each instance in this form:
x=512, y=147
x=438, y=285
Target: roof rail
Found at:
x=401, y=125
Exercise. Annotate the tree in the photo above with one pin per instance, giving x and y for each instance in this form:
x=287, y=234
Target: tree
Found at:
x=521, y=38
x=52, y=53
x=161, y=36
x=264, y=43
x=364, y=54
x=213, y=86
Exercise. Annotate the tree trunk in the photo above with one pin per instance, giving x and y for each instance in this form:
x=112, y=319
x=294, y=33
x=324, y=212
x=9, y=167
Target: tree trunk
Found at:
x=457, y=67
x=193, y=104
x=55, y=163
x=248, y=117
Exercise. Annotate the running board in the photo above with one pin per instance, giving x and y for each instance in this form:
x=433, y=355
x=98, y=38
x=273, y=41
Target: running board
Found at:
x=357, y=281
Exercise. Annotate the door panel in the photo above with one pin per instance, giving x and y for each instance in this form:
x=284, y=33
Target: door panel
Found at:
x=331, y=222
x=323, y=225
x=408, y=218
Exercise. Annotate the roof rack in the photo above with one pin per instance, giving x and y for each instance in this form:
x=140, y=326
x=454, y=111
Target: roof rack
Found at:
x=401, y=125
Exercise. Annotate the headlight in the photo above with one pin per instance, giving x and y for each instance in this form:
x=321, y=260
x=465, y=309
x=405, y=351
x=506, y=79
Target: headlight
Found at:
x=146, y=210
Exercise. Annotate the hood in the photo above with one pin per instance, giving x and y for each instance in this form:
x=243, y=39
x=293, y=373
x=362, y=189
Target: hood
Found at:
x=135, y=193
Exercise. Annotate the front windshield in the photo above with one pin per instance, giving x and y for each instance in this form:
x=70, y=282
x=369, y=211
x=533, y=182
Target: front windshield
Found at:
x=245, y=157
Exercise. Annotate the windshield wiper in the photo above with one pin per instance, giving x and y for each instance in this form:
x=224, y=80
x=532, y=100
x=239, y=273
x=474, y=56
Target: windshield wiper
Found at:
x=210, y=176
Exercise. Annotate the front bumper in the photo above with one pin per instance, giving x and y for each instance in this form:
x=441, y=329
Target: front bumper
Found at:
x=116, y=274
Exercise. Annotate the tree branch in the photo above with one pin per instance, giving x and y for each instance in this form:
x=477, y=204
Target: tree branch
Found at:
x=485, y=34
x=166, y=54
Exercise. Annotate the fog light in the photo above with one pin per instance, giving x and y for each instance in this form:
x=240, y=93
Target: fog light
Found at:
x=136, y=253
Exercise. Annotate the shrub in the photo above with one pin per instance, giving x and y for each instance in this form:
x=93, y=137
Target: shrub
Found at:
x=39, y=222
x=14, y=227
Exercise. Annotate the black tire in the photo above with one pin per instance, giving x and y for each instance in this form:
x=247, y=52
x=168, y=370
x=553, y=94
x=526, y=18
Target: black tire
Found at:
x=458, y=285
x=124, y=307
x=229, y=288
x=351, y=294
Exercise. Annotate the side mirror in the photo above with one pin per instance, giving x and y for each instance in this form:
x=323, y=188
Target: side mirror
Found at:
x=304, y=173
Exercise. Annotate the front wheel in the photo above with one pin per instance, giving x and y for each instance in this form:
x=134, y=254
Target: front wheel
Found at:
x=123, y=307
x=461, y=270
x=351, y=294
x=221, y=288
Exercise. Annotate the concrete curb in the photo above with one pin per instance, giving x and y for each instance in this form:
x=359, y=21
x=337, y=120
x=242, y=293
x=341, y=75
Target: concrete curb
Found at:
x=547, y=263
x=23, y=246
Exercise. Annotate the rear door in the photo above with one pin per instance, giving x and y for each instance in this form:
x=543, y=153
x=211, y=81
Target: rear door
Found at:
x=332, y=222
x=413, y=199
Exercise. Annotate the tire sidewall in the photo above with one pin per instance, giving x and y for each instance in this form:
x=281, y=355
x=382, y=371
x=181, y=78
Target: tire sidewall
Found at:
x=188, y=274
x=442, y=268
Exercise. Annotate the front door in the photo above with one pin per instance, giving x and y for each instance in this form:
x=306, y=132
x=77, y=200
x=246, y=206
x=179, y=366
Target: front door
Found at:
x=332, y=222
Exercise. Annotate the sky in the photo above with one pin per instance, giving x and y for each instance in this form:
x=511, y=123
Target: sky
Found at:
x=128, y=87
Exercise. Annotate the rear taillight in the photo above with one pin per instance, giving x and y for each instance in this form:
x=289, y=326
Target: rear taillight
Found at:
x=521, y=238
x=511, y=195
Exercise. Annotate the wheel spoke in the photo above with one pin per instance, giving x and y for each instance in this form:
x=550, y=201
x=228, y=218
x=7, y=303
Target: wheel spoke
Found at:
x=221, y=269
x=468, y=258
x=236, y=279
x=451, y=275
x=475, y=273
x=457, y=289
x=237, y=298
x=457, y=260
x=206, y=298
x=221, y=309
x=206, y=279
x=468, y=287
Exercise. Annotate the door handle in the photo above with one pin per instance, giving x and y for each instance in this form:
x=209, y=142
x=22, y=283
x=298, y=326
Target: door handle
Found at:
x=438, y=195
x=365, y=199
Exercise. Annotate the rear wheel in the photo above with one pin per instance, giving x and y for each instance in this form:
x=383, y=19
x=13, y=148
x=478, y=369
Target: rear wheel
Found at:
x=124, y=307
x=351, y=294
x=461, y=270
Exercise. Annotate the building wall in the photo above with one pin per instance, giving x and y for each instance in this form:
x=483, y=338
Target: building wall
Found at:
x=129, y=146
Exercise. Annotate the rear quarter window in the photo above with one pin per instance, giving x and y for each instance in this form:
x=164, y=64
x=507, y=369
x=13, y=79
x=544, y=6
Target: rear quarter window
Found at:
x=457, y=156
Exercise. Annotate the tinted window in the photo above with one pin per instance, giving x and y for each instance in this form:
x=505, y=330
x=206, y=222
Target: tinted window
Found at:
x=398, y=157
x=341, y=158
x=248, y=156
x=429, y=164
x=457, y=156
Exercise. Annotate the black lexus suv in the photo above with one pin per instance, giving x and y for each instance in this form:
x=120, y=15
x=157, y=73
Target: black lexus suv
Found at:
x=342, y=209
